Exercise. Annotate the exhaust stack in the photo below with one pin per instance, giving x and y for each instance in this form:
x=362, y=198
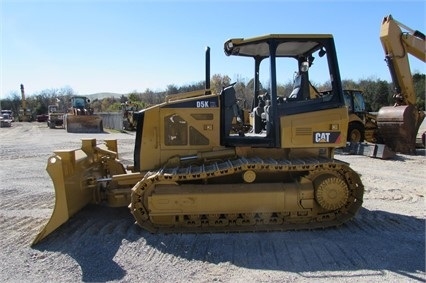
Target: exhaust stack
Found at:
x=207, y=83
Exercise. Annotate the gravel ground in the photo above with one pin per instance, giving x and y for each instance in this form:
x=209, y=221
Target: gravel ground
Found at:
x=385, y=242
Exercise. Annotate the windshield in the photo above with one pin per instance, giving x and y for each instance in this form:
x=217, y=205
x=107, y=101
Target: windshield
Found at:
x=79, y=102
x=359, y=103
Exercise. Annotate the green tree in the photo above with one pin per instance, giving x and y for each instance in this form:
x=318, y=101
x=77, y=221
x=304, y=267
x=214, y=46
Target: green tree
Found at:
x=114, y=107
x=172, y=89
x=349, y=84
x=376, y=93
x=96, y=104
x=218, y=82
x=134, y=96
x=420, y=90
x=123, y=98
x=191, y=87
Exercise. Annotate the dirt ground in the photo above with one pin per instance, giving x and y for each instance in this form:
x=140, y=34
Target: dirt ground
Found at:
x=384, y=243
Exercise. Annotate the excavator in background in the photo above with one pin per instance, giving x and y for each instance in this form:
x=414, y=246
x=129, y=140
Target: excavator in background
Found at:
x=397, y=125
x=24, y=114
x=193, y=173
x=394, y=128
x=81, y=118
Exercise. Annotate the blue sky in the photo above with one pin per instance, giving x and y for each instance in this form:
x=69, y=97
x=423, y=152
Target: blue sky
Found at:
x=121, y=46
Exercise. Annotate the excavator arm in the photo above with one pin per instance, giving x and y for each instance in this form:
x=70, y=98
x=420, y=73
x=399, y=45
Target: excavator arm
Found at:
x=397, y=45
x=398, y=124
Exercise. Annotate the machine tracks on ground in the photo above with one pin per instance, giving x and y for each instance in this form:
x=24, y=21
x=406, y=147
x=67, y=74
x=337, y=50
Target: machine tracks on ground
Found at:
x=313, y=193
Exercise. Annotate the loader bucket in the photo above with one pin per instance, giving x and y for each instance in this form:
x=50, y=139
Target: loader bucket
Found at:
x=398, y=126
x=84, y=124
x=74, y=174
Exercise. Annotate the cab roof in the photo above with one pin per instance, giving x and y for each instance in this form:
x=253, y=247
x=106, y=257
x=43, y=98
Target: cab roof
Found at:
x=288, y=45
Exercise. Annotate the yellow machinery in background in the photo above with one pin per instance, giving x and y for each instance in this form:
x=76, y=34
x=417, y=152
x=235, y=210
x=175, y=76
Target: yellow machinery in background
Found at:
x=394, y=128
x=362, y=124
x=24, y=114
x=55, y=116
x=81, y=118
x=398, y=124
x=128, y=109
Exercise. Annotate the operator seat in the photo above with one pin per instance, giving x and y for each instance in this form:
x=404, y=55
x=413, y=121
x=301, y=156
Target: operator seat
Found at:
x=297, y=85
x=262, y=111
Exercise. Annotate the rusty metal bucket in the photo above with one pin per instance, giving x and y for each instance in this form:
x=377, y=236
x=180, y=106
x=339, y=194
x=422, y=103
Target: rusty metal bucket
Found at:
x=84, y=124
x=398, y=126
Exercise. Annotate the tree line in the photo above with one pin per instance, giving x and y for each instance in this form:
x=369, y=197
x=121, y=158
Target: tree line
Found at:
x=377, y=93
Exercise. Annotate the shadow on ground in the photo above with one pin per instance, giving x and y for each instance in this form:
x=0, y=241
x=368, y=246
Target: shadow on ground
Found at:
x=375, y=241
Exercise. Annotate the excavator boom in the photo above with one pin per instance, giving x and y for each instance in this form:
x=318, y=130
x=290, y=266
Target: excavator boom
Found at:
x=398, y=124
x=24, y=114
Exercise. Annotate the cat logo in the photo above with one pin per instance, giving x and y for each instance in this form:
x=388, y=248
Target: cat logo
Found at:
x=326, y=137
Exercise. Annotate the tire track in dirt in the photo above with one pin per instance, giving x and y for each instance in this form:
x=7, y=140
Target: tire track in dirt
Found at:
x=18, y=231
x=26, y=201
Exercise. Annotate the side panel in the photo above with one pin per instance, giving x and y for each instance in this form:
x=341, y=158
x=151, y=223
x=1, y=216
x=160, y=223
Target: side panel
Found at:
x=184, y=127
x=187, y=131
x=318, y=129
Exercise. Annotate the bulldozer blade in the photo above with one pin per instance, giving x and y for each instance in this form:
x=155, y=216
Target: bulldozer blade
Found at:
x=74, y=174
x=84, y=124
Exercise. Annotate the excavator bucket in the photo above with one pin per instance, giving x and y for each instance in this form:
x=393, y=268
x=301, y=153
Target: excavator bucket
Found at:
x=398, y=127
x=84, y=124
x=75, y=174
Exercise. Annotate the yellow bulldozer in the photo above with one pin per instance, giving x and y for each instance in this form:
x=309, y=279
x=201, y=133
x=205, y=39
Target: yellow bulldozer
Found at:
x=81, y=118
x=193, y=172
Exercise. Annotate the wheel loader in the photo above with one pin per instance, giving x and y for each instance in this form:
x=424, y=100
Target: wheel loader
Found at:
x=81, y=118
x=192, y=173
x=362, y=124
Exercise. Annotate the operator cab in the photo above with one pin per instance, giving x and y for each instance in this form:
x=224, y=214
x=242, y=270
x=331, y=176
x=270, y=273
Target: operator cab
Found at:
x=79, y=102
x=276, y=57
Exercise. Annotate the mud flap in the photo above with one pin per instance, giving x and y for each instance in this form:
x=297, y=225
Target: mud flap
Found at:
x=74, y=174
